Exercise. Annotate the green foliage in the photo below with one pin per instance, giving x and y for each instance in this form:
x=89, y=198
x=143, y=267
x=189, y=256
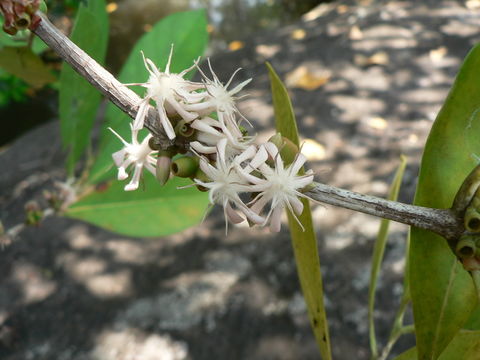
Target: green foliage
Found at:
x=465, y=346
x=378, y=252
x=78, y=99
x=161, y=210
x=442, y=292
x=188, y=32
x=304, y=242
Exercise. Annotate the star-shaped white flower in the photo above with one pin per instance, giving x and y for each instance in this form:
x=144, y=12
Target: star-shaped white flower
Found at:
x=137, y=154
x=171, y=93
x=226, y=185
x=279, y=185
x=211, y=131
x=219, y=98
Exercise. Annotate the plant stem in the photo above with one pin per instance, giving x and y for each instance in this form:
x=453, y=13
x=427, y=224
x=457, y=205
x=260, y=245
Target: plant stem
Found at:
x=442, y=222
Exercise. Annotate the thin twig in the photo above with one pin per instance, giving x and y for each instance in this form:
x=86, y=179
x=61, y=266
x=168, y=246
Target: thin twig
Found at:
x=442, y=222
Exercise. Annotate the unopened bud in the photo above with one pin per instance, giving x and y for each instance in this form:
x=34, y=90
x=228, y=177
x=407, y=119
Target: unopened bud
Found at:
x=466, y=247
x=186, y=166
x=23, y=21
x=184, y=129
x=162, y=170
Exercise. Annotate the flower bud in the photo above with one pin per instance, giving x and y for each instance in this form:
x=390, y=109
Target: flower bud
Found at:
x=184, y=129
x=466, y=247
x=22, y=22
x=162, y=170
x=185, y=166
x=472, y=219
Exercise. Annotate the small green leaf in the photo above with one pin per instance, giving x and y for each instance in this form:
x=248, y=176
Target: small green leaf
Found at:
x=22, y=62
x=442, y=292
x=78, y=99
x=154, y=211
x=464, y=346
x=304, y=242
x=378, y=251
x=188, y=32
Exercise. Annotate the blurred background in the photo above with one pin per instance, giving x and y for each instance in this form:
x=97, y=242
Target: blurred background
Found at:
x=366, y=78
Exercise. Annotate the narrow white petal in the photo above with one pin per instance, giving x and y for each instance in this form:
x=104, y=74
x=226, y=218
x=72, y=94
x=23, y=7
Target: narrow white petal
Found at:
x=260, y=157
x=167, y=125
x=245, y=155
x=221, y=148
x=297, y=205
x=239, y=87
x=118, y=136
x=118, y=157
x=197, y=146
x=140, y=117
x=297, y=164
x=233, y=216
x=276, y=219
x=271, y=149
x=187, y=116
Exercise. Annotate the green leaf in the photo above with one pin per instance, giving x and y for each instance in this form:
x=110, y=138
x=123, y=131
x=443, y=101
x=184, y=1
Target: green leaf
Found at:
x=157, y=211
x=188, y=32
x=465, y=346
x=442, y=291
x=78, y=99
x=378, y=251
x=304, y=242
x=23, y=63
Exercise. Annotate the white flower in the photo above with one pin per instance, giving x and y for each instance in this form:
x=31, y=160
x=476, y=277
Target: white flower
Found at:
x=226, y=185
x=219, y=98
x=211, y=131
x=138, y=154
x=277, y=184
x=171, y=93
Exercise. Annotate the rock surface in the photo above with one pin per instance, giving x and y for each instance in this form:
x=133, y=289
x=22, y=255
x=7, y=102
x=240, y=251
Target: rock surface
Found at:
x=367, y=79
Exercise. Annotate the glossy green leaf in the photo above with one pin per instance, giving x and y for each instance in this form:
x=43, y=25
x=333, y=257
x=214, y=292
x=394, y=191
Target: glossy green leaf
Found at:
x=304, y=242
x=442, y=291
x=156, y=212
x=465, y=346
x=188, y=32
x=78, y=100
x=23, y=63
x=378, y=252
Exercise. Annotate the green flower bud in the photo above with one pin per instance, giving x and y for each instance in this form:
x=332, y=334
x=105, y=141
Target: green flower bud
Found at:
x=185, y=166
x=466, y=247
x=22, y=22
x=472, y=220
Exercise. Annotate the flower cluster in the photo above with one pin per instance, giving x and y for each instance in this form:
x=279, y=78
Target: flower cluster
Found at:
x=224, y=160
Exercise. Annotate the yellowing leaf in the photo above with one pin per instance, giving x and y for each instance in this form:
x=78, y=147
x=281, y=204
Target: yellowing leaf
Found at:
x=298, y=34
x=303, y=78
x=236, y=45
x=22, y=62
